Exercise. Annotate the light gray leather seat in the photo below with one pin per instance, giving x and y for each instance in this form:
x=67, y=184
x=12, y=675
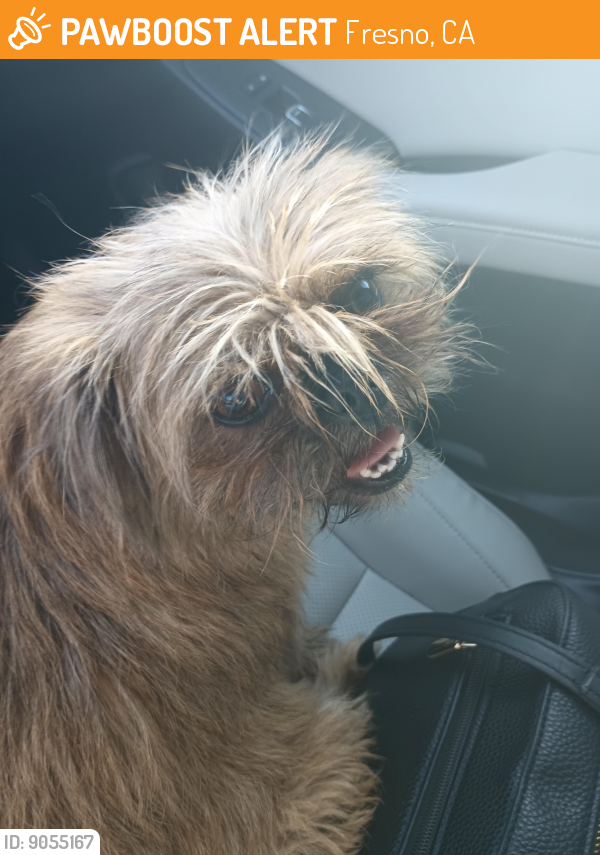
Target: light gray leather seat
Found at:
x=444, y=548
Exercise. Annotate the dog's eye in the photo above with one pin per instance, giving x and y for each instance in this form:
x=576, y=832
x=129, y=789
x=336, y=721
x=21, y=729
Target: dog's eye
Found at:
x=239, y=408
x=358, y=297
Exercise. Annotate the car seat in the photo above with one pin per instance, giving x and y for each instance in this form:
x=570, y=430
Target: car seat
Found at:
x=443, y=548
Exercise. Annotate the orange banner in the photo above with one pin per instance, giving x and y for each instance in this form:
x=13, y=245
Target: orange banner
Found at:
x=359, y=29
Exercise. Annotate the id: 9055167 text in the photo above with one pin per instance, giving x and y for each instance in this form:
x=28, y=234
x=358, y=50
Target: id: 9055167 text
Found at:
x=39, y=840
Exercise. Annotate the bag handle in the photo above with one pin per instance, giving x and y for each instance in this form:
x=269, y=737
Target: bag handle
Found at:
x=569, y=671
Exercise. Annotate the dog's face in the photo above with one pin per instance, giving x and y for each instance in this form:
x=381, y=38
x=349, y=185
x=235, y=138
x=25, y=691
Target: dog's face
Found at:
x=269, y=340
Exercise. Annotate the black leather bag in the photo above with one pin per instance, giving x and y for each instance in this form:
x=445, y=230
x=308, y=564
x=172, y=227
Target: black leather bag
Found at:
x=492, y=749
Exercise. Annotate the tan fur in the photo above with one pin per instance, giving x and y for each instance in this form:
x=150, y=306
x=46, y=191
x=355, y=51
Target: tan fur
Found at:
x=156, y=681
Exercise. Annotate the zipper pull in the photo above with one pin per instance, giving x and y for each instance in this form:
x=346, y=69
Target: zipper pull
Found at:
x=443, y=646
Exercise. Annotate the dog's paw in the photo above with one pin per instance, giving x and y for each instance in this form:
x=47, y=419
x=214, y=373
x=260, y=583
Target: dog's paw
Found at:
x=325, y=661
x=338, y=666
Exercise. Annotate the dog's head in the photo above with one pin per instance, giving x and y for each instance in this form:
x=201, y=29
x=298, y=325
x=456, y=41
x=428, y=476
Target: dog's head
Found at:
x=266, y=342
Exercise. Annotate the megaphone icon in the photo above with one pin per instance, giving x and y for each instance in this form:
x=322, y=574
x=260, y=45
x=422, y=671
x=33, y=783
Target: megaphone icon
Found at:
x=26, y=32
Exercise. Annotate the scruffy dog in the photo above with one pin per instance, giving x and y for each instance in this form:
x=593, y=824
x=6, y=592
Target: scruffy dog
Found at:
x=175, y=410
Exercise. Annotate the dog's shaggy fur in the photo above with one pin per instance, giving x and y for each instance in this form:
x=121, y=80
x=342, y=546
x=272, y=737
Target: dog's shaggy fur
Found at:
x=156, y=681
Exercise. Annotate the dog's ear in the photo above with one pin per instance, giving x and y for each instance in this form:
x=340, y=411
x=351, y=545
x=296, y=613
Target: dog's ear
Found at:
x=94, y=455
x=111, y=447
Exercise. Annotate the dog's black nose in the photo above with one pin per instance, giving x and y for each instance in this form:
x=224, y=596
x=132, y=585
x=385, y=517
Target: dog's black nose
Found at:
x=335, y=392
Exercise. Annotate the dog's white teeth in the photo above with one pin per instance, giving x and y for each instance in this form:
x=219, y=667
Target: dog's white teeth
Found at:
x=383, y=466
x=396, y=449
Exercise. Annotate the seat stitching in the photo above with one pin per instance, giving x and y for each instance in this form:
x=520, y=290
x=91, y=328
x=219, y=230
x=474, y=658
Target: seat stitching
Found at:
x=506, y=521
x=368, y=567
x=473, y=549
x=510, y=524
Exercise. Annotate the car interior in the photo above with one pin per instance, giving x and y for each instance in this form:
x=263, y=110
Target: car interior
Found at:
x=501, y=159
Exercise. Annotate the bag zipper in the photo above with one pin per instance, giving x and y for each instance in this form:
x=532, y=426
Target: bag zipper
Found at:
x=422, y=837
x=597, y=843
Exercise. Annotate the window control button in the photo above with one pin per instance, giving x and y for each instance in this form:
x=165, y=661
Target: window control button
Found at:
x=257, y=84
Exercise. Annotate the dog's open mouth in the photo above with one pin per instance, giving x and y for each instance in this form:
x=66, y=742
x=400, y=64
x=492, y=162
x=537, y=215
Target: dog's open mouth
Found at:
x=386, y=462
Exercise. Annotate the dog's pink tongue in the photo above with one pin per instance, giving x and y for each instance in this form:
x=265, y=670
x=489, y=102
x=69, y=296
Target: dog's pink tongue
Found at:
x=380, y=446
